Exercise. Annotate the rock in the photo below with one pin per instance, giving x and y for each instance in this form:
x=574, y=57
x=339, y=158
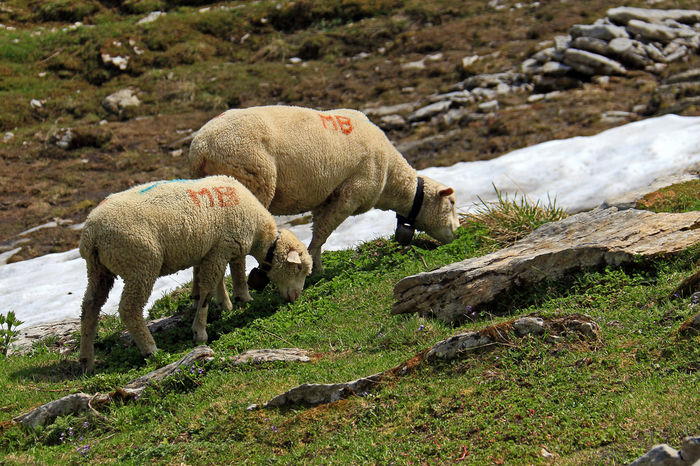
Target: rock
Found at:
x=392, y=122
x=592, y=63
x=591, y=44
x=428, y=111
x=35, y=104
x=685, y=76
x=622, y=15
x=493, y=80
x=562, y=43
x=414, y=65
x=467, y=62
x=458, y=97
x=631, y=52
x=150, y=17
x=74, y=138
x=690, y=451
x=660, y=455
x=529, y=326
x=314, y=393
x=269, y=355
x=389, y=110
x=121, y=102
x=530, y=66
x=62, y=330
x=481, y=93
x=654, y=53
x=488, y=107
x=601, y=236
x=154, y=326
x=616, y=116
x=9, y=135
x=461, y=343
x=460, y=116
x=652, y=32
x=554, y=68
x=598, y=31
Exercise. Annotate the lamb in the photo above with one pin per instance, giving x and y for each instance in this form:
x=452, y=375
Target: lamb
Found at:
x=334, y=163
x=161, y=227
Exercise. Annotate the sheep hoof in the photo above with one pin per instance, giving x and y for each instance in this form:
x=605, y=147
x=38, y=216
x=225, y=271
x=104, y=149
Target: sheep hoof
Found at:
x=243, y=298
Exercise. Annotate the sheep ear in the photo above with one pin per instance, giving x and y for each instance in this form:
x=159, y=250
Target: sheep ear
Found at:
x=293, y=257
x=446, y=192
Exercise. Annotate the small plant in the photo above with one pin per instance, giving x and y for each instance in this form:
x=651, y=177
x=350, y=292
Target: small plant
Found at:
x=507, y=220
x=8, y=335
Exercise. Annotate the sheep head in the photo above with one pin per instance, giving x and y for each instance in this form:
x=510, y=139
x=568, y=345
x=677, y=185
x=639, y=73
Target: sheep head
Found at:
x=290, y=265
x=438, y=216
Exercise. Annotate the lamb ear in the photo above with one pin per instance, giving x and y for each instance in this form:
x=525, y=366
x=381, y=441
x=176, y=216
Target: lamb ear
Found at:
x=446, y=192
x=293, y=257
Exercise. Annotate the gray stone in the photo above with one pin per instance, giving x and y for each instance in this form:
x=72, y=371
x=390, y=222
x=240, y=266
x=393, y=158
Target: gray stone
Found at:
x=481, y=93
x=690, y=450
x=562, y=43
x=458, y=97
x=62, y=330
x=152, y=16
x=616, y=116
x=631, y=52
x=654, y=53
x=314, y=393
x=652, y=32
x=592, y=63
x=548, y=54
x=490, y=106
x=120, y=102
x=530, y=66
x=598, y=31
x=685, y=76
x=554, y=68
x=458, y=344
x=154, y=326
x=591, y=44
x=529, y=326
x=601, y=236
x=622, y=15
x=268, y=355
x=467, y=62
x=660, y=455
x=384, y=110
x=429, y=111
x=392, y=122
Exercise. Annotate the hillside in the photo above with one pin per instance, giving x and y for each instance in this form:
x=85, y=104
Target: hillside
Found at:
x=59, y=61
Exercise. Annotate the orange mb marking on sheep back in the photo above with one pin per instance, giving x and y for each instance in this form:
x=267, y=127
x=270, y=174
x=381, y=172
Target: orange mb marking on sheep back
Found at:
x=227, y=196
x=203, y=192
x=325, y=118
x=345, y=124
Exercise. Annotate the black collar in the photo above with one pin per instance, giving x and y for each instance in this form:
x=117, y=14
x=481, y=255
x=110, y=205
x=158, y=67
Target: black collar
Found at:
x=267, y=262
x=405, y=226
x=258, y=278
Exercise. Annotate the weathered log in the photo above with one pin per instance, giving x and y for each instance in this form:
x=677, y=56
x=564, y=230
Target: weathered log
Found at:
x=44, y=414
x=598, y=237
x=269, y=355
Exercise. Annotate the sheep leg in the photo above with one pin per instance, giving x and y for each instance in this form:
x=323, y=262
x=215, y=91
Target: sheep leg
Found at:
x=194, y=294
x=134, y=298
x=222, y=298
x=100, y=281
x=211, y=276
x=238, y=278
x=327, y=217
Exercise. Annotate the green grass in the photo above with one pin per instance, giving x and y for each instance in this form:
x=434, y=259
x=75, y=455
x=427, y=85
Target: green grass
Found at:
x=587, y=402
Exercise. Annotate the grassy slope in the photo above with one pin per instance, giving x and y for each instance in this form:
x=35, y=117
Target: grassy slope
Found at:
x=587, y=402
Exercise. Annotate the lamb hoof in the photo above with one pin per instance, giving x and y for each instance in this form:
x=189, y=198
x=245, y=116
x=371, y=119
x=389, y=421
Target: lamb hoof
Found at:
x=200, y=337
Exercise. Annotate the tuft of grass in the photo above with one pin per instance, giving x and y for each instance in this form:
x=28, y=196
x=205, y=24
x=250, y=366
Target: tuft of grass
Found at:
x=681, y=197
x=508, y=220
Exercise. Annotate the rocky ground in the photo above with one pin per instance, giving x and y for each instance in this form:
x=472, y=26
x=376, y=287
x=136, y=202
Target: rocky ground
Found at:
x=464, y=83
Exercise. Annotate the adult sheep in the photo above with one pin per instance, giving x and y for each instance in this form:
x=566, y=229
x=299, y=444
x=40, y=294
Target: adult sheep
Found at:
x=333, y=163
x=161, y=227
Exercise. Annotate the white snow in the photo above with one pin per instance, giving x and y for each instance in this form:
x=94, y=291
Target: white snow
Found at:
x=581, y=173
